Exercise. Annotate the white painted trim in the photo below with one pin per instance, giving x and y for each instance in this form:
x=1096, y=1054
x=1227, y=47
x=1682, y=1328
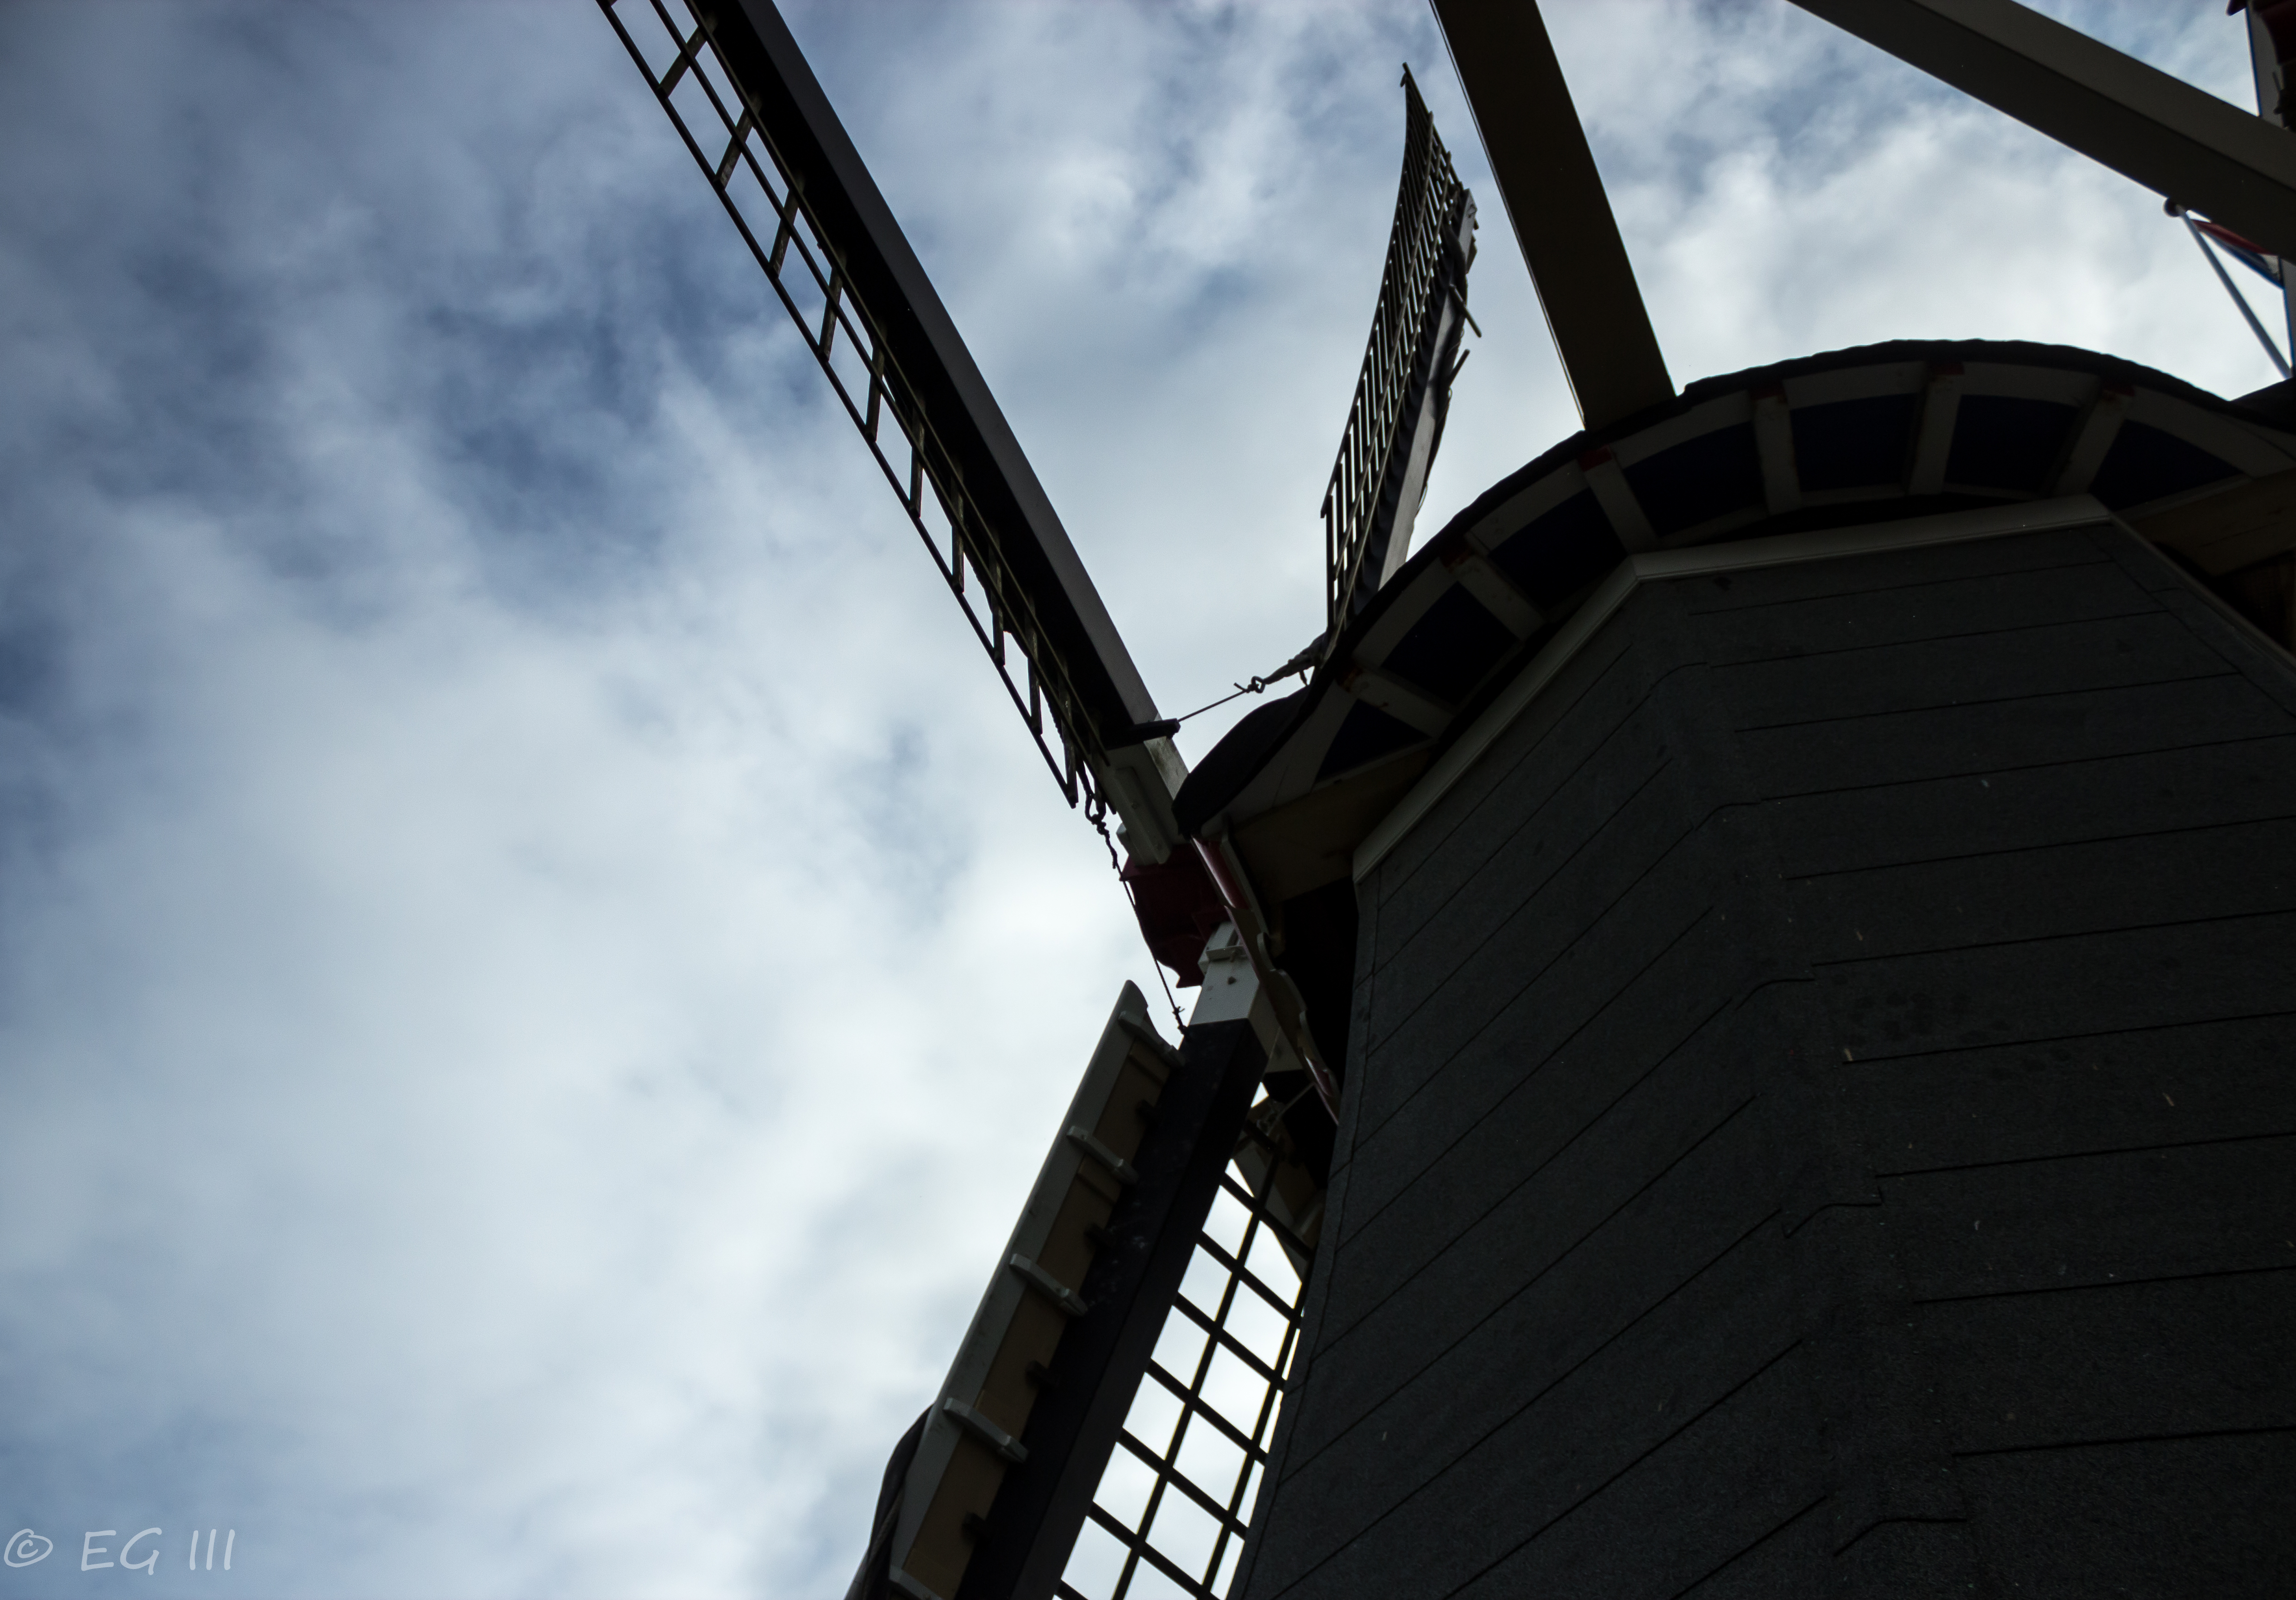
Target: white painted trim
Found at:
x=1406, y=703
x=1526, y=505
x=1933, y=443
x=1494, y=590
x=2092, y=437
x=1616, y=497
x=1836, y=384
x=1773, y=446
x=1784, y=550
x=1952, y=527
x=1709, y=415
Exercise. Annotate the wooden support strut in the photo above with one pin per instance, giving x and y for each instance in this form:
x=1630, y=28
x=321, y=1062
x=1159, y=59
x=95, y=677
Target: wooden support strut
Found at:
x=1554, y=198
x=2180, y=142
x=733, y=149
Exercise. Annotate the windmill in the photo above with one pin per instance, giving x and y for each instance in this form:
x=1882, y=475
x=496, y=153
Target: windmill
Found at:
x=1776, y=832
x=1121, y=1208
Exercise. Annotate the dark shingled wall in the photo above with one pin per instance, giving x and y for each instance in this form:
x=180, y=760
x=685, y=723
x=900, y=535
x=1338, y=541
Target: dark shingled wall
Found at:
x=1822, y=1117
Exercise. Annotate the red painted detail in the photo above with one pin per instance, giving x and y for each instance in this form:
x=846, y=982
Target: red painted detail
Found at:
x=1178, y=908
x=2217, y=230
x=1223, y=878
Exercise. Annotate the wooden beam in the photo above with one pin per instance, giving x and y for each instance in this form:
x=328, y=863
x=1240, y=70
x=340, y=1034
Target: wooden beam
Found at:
x=1554, y=198
x=2179, y=142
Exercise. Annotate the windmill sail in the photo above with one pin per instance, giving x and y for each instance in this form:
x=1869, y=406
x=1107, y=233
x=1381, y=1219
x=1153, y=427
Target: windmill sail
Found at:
x=1552, y=194
x=1396, y=422
x=1122, y=1374
x=738, y=90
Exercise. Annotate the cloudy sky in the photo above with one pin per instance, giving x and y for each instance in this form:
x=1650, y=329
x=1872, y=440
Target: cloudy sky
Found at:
x=536, y=964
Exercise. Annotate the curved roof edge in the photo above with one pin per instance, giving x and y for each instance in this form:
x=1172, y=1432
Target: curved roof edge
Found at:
x=1871, y=433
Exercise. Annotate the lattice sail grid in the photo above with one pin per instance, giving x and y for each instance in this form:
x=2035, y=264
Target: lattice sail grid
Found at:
x=682, y=65
x=1426, y=204
x=1175, y=1504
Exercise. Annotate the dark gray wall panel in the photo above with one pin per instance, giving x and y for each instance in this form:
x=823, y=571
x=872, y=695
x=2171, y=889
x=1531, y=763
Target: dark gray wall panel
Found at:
x=2000, y=664
x=1620, y=1105
x=2119, y=1091
x=1606, y=821
x=2188, y=1209
x=1525, y=994
x=1826, y=1121
x=2202, y=1517
x=2022, y=807
x=1736, y=1473
x=1598, y=690
x=2163, y=1359
x=2089, y=587
x=1541, y=1443
x=1595, y=695
x=1998, y=737
x=1886, y=570
x=1994, y=897
x=2075, y=987
x=1789, y=1563
x=1650, y=991
x=1664, y=1230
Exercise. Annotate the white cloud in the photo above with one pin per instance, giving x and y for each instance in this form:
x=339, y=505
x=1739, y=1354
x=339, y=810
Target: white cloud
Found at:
x=535, y=964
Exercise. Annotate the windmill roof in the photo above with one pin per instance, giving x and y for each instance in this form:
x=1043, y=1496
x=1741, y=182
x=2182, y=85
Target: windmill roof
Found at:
x=1849, y=437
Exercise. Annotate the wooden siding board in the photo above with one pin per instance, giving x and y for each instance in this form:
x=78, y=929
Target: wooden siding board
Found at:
x=2187, y=1084
x=1606, y=821
x=1806, y=766
x=1513, y=1293
x=2075, y=985
x=1676, y=1041
x=1594, y=691
x=2265, y=665
x=1456, y=1469
x=2042, y=891
x=1789, y=1562
x=1979, y=813
x=1577, y=936
x=1889, y=569
x=2196, y=1516
x=1976, y=667
x=1909, y=1559
x=2149, y=1359
x=2112, y=1216
x=1621, y=1113
x=1732, y=1474
x=1946, y=608
x=1553, y=771
x=1551, y=968
x=1595, y=990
